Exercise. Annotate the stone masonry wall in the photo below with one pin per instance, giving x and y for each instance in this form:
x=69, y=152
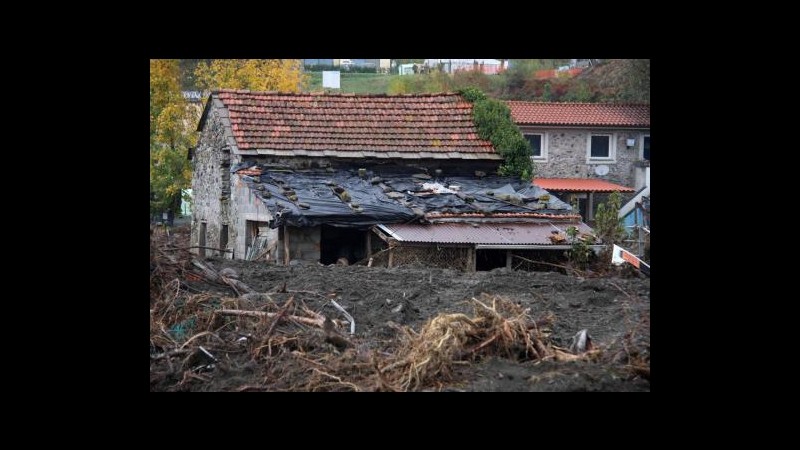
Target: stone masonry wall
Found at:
x=207, y=184
x=246, y=207
x=304, y=244
x=567, y=150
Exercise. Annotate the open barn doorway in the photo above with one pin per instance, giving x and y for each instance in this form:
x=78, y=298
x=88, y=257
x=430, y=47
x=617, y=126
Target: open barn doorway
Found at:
x=489, y=259
x=340, y=242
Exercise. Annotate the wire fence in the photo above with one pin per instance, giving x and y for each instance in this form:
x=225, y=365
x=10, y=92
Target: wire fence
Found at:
x=443, y=257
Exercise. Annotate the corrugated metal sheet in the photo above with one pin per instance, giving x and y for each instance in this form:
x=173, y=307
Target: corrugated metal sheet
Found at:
x=483, y=233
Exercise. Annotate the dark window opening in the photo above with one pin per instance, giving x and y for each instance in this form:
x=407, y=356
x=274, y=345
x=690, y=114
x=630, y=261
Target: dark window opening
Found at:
x=583, y=208
x=338, y=242
x=646, y=148
x=490, y=259
x=202, y=242
x=601, y=147
x=536, y=144
x=223, y=239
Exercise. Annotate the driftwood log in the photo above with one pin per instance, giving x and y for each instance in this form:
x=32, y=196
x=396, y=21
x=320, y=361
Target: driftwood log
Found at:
x=319, y=323
x=212, y=275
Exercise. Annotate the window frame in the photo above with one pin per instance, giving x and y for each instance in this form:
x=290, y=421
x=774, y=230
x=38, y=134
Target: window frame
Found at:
x=641, y=146
x=612, y=149
x=543, y=134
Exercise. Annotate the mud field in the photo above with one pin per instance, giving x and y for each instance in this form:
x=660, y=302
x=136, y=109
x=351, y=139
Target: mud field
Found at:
x=501, y=330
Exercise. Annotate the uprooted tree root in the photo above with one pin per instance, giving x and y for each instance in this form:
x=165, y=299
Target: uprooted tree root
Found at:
x=503, y=329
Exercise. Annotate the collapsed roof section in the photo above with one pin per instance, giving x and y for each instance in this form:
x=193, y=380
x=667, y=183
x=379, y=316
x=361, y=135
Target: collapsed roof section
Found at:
x=362, y=198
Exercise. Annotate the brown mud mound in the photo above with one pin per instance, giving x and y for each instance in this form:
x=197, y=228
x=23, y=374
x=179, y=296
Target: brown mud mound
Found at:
x=415, y=329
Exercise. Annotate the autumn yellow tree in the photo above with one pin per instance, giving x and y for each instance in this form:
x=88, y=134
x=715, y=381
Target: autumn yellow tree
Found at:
x=284, y=75
x=172, y=125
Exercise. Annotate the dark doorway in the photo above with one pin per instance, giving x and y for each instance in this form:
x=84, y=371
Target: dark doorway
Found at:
x=338, y=242
x=202, y=242
x=223, y=240
x=489, y=259
x=583, y=208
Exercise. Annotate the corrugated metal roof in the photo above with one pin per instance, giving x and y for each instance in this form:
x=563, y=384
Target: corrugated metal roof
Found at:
x=483, y=233
x=579, y=185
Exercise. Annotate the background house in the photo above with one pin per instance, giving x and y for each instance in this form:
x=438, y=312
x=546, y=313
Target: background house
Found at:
x=380, y=65
x=310, y=177
x=487, y=66
x=588, y=149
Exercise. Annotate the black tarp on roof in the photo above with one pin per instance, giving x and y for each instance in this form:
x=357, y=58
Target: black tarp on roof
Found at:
x=310, y=198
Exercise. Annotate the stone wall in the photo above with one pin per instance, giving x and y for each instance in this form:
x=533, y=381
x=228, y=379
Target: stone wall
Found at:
x=567, y=150
x=304, y=245
x=208, y=190
x=246, y=207
x=221, y=198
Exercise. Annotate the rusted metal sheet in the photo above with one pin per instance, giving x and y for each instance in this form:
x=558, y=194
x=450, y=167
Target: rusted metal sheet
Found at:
x=483, y=233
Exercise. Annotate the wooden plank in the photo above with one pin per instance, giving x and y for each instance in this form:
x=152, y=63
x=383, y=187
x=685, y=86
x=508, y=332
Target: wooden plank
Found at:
x=473, y=252
x=285, y=245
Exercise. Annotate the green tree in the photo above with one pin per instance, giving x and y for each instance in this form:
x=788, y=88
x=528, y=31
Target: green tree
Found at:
x=580, y=252
x=283, y=75
x=636, y=81
x=607, y=222
x=493, y=121
x=578, y=91
x=172, y=123
x=547, y=94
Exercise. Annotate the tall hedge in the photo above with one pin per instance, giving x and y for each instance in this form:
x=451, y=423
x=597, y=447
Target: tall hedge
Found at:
x=493, y=120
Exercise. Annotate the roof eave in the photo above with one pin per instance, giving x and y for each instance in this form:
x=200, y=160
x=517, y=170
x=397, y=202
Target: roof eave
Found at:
x=584, y=126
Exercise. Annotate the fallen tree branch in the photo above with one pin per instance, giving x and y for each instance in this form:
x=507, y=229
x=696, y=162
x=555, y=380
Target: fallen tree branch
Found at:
x=305, y=320
x=214, y=276
x=346, y=383
x=621, y=290
x=577, y=272
x=275, y=321
x=170, y=354
x=483, y=344
x=204, y=333
x=237, y=285
x=196, y=246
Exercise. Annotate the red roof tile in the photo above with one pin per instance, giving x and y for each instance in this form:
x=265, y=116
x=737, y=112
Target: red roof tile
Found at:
x=579, y=185
x=484, y=233
x=580, y=114
x=439, y=123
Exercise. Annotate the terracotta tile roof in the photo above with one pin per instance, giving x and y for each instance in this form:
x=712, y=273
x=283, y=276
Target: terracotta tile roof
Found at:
x=579, y=185
x=381, y=126
x=484, y=233
x=580, y=114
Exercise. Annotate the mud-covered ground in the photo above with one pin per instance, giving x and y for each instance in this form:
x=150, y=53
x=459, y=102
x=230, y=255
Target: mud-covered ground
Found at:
x=615, y=311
